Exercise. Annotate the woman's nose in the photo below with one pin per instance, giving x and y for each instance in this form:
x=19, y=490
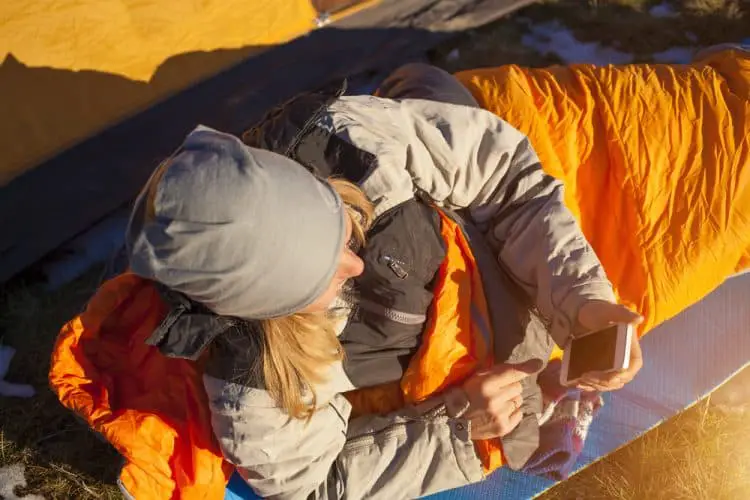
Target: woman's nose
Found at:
x=352, y=265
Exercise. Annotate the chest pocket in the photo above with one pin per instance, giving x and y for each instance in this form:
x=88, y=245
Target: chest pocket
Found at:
x=393, y=295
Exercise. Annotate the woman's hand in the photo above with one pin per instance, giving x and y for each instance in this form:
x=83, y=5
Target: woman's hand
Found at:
x=599, y=314
x=495, y=398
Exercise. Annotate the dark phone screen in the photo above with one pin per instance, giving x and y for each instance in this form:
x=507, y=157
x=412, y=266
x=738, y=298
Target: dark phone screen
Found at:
x=593, y=352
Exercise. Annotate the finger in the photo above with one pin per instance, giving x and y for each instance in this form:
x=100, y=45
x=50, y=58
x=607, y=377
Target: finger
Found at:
x=635, y=363
x=505, y=408
x=605, y=388
x=506, y=374
x=493, y=400
x=586, y=387
x=618, y=313
x=631, y=372
x=612, y=383
x=604, y=378
x=602, y=386
x=597, y=386
x=498, y=395
x=517, y=402
x=636, y=354
x=628, y=375
x=598, y=314
x=620, y=380
x=513, y=420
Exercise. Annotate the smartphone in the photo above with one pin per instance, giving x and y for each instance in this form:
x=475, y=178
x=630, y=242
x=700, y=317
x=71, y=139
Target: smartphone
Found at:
x=603, y=350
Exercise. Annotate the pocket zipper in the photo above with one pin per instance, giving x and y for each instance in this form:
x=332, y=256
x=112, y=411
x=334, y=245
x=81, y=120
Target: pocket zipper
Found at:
x=396, y=266
x=405, y=318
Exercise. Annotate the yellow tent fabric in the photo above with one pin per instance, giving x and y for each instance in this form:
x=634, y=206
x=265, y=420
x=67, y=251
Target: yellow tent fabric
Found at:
x=69, y=69
x=656, y=164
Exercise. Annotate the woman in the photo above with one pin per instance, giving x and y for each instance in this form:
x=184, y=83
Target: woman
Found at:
x=254, y=253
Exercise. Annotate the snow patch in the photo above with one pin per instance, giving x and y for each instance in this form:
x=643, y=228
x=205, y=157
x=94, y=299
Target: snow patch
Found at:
x=662, y=10
x=98, y=244
x=8, y=389
x=554, y=38
x=12, y=477
x=675, y=55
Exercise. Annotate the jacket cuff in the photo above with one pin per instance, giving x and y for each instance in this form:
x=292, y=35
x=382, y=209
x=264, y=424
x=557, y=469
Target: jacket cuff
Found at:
x=565, y=320
x=456, y=402
x=456, y=405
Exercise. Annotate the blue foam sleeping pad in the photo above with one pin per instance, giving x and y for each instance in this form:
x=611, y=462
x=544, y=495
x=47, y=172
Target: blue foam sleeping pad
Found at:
x=685, y=359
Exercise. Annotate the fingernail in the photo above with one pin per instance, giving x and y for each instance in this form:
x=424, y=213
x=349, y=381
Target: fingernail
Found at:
x=531, y=366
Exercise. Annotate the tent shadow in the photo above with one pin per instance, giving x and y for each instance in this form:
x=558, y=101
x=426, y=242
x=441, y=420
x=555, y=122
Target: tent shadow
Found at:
x=93, y=177
x=51, y=108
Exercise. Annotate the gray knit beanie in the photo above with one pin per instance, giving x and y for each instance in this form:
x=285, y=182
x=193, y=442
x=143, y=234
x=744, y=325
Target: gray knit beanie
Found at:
x=245, y=232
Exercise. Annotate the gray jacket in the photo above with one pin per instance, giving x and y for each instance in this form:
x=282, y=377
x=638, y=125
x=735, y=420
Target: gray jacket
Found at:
x=461, y=158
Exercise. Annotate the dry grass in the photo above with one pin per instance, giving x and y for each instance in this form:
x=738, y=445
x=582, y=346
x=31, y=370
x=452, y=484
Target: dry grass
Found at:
x=731, y=9
x=702, y=453
x=624, y=25
x=64, y=460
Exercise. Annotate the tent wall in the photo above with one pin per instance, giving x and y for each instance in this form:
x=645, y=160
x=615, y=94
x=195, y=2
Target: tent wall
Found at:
x=99, y=149
x=71, y=68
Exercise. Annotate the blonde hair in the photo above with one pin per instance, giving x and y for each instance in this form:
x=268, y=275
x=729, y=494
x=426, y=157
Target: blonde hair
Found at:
x=299, y=349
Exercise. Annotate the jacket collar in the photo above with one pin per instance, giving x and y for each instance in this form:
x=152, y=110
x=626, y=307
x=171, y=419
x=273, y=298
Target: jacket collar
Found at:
x=188, y=327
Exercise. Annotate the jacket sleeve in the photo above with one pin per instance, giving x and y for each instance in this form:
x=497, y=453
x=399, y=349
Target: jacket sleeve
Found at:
x=411, y=453
x=467, y=158
x=414, y=452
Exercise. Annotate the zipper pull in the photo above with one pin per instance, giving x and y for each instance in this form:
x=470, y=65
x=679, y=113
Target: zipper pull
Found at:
x=395, y=266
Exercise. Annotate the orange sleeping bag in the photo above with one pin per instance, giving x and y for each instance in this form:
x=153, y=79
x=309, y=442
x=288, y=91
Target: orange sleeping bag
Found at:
x=151, y=408
x=656, y=164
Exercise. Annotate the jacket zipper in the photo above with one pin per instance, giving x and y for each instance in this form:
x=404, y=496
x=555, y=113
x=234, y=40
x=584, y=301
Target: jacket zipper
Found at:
x=396, y=266
x=402, y=317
